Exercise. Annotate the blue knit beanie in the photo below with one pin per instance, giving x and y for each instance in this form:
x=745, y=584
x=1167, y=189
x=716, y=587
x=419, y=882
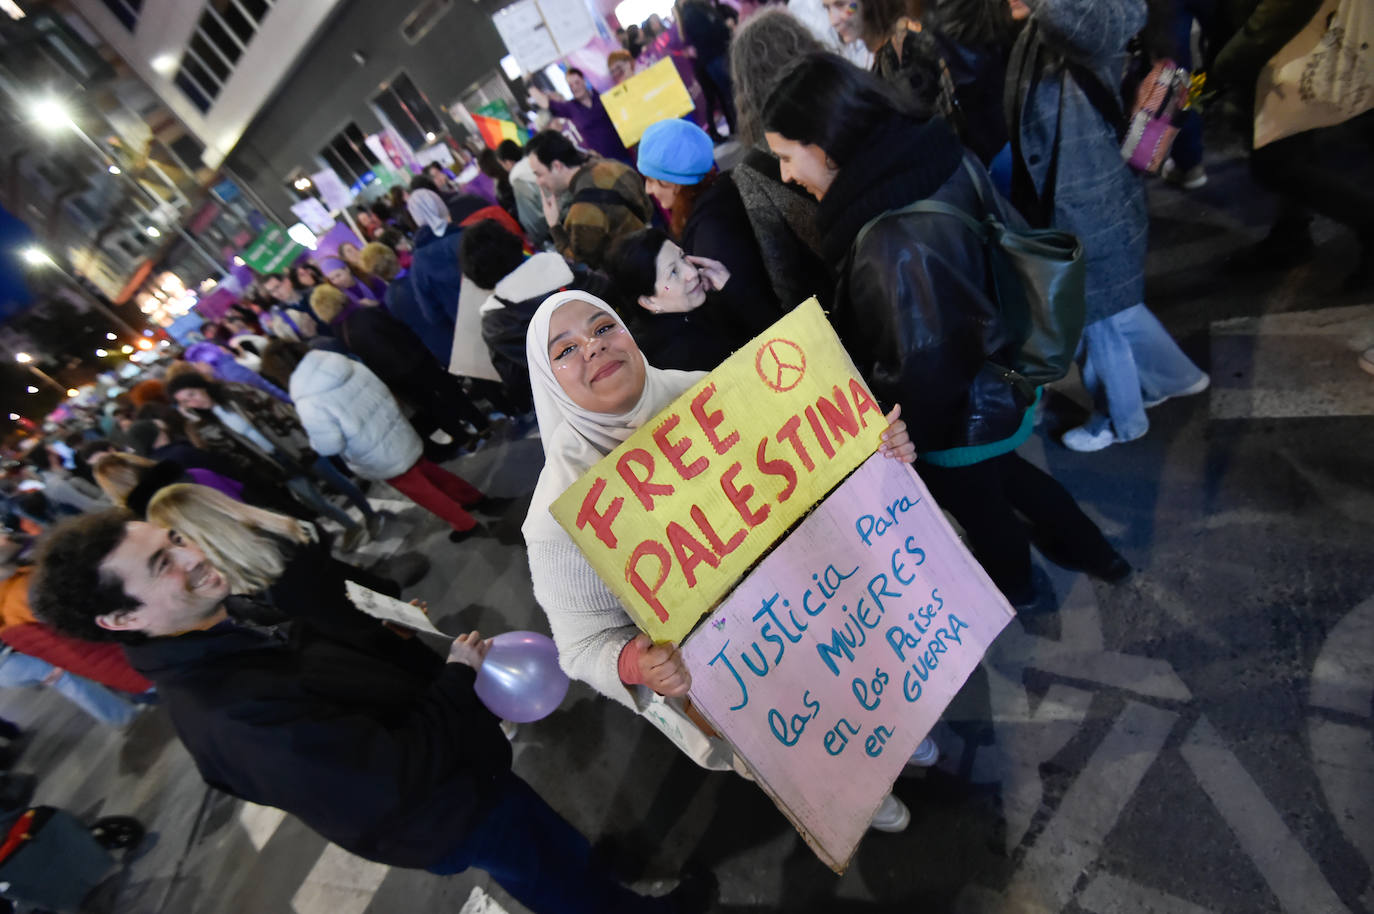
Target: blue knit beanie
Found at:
x=676, y=151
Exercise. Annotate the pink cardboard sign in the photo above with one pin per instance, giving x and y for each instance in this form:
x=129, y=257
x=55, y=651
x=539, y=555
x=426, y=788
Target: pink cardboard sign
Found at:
x=834, y=658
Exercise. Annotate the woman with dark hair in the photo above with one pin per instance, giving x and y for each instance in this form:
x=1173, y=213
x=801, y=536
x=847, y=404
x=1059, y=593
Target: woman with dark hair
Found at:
x=707, y=216
x=917, y=309
x=906, y=55
x=671, y=301
x=306, y=276
x=1067, y=172
x=490, y=164
x=974, y=37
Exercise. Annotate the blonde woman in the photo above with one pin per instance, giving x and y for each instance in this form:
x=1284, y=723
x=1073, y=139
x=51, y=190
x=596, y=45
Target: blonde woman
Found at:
x=276, y=567
x=130, y=481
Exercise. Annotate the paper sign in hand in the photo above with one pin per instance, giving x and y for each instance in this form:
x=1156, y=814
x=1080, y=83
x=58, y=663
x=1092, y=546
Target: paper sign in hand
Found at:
x=673, y=518
x=650, y=96
x=833, y=659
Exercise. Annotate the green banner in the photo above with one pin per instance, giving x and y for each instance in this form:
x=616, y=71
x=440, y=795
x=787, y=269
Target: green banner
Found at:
x=271, y=251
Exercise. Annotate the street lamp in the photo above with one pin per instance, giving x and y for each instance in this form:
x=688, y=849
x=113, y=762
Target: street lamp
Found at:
x=111, y=337
x=23, y=358
x=50, y=113
x=72, y=392
x=31, y=389
x=101, y=353
x=36, y=257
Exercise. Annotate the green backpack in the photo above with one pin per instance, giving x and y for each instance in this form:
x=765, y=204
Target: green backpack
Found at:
x=1038, y=277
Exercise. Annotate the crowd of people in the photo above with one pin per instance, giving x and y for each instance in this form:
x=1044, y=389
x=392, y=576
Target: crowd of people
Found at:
x=581, y=286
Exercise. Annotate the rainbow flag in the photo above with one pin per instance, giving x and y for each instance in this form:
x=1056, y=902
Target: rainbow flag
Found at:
x=495, y=129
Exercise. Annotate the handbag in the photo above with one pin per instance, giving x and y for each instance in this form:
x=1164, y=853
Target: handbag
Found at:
x=1039, y=283
x=1323, y=77
x=1147, y=134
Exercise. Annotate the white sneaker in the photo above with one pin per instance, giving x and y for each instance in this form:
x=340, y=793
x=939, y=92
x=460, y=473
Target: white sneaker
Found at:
x=1084, y=441
x=1191, y=179
x=926, y=754
x=892, y=816
x=1367, y=360
x=1196, y=387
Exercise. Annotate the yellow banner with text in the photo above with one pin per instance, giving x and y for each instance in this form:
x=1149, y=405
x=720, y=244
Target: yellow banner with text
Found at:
x=674, y=517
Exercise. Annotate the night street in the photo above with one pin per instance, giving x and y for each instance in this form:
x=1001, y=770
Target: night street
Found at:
x=1196, y=739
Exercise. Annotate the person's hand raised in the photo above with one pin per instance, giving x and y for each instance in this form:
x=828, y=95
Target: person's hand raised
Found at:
x=713, y=271
x=897, y=443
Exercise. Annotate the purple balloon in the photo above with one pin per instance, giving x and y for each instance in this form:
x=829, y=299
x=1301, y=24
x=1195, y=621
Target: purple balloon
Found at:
x=520, y=680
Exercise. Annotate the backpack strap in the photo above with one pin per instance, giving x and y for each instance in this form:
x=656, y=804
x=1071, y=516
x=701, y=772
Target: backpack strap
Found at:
x=1100, y=97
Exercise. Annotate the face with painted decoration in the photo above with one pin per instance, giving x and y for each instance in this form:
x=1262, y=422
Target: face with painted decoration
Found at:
x=594, y=359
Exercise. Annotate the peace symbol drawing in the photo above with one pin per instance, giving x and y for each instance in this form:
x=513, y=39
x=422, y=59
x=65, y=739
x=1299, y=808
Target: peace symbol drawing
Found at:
x=781, y=364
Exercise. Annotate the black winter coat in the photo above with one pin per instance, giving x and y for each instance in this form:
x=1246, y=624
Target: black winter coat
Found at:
x=391, y=351
x=913, y=304
x=371, y=740
x=719, y=228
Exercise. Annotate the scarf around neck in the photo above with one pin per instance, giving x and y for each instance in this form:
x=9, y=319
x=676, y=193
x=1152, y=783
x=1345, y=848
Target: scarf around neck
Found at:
x=574, y=437
x=902, y=162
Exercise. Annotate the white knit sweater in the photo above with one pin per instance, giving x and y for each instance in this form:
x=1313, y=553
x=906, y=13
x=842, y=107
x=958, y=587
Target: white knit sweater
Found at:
x=589, y=625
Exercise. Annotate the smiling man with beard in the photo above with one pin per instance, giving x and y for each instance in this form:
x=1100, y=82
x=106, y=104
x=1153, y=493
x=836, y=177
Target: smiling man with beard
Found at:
x=374, y=741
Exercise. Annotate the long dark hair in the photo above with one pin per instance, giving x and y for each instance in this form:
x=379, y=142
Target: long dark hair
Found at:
x=824, y=100
x=975, y=23
x=633, y=265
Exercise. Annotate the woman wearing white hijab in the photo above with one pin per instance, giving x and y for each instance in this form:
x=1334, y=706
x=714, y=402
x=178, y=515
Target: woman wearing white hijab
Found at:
x=430, y=213
x=592, y=389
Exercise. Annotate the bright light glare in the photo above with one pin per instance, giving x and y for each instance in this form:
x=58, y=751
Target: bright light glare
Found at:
x=73, y=392
x=36, y=257
x=126, y=349
x=111, y=337
x=238, y=261
x=302, y=236
x=153, y=232
x=23, y=358
x=31, y=389
x=50, y=113
x=14, y=417
x=165, y=64
x=145, y=345
x=102, y=352
x=429, y=137
x=115, y=170
x=634, y=12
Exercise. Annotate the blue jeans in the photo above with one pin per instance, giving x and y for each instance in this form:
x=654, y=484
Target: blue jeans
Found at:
x=17, y=670
x=1126, y=359
x=1187, y=148
x=325, y=469
x=541, y=860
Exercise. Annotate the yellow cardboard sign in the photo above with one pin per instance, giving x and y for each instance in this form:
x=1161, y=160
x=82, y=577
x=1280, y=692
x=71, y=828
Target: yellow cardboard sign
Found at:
x=677, y=514
x=650, y=96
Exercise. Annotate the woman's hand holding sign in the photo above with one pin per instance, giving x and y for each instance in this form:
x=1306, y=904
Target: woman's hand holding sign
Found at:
x=896, y=442
x=658, y=666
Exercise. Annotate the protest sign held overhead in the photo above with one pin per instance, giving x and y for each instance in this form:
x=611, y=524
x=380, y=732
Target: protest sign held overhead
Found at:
x=650, y=96
x=673, y=518
x=832, y=660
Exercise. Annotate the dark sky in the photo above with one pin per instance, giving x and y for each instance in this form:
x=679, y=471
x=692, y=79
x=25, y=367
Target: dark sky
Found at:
x=14, y=294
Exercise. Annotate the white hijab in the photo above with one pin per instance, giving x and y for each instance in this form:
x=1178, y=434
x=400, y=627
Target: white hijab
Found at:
x=576, y=438
x=428, y=208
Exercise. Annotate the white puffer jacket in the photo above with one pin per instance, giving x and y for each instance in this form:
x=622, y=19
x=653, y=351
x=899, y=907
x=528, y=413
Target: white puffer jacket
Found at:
x=348, y=411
